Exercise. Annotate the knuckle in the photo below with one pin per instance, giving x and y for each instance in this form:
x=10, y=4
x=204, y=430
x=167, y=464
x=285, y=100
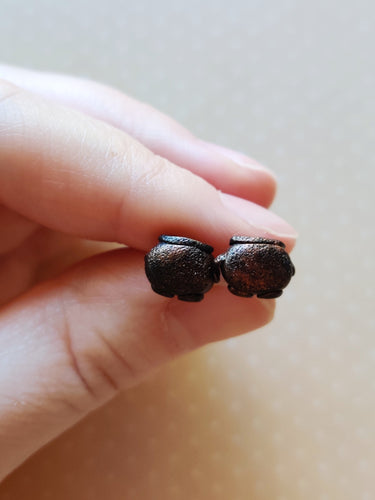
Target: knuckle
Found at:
x=73, y=357
x=100, y=368
x=11, y=113
x=156, y=169
x=7, y=90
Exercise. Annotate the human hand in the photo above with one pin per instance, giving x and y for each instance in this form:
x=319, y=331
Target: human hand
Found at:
x=83, y=166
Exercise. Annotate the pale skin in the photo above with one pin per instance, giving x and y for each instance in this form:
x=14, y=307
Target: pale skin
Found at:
x=84, y=168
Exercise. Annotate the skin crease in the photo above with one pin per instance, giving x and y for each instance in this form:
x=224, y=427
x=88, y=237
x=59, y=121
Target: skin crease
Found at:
x=77, y=182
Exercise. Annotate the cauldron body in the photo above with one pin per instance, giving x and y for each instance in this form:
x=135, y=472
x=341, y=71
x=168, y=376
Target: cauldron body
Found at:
x=181, y=266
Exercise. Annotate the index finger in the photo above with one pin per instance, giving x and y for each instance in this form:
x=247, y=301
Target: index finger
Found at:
x=79, y=175
x=227, y=170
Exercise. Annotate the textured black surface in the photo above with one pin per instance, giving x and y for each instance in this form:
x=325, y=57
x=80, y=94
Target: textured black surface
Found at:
x=182, y=240
x=248, y=239
x=256, y=266
x=181, y=266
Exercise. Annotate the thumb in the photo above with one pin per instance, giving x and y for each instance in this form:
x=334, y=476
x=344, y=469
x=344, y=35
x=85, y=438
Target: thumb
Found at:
x=70, y=344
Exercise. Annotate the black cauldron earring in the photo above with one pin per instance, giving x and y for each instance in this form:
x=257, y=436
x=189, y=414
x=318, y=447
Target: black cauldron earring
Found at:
x=183, y=267
x=256, y=266
x=186, y=268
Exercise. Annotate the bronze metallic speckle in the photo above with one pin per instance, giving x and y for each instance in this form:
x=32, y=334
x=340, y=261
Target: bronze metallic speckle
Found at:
x=251, y=266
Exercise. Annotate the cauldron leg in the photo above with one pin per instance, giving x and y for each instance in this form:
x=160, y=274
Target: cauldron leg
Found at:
x=239, y=293
x=194, y=297
x=270, y=294
x=162, y=292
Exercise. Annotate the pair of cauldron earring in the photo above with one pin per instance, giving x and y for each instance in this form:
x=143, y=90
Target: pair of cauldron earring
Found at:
x=186, y=268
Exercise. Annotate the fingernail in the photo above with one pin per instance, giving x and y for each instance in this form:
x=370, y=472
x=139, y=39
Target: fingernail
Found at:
x=240, y=158
x=264, y=222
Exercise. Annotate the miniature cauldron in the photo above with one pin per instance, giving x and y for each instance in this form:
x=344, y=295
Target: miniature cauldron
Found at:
x=181, y=266
x=256, y=266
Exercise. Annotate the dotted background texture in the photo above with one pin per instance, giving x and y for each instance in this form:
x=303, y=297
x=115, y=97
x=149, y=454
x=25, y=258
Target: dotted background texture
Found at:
x=288, y=412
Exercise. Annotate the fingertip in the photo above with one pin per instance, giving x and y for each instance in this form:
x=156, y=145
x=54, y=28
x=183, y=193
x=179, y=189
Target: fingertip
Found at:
x=259, y=183
x=267, y=186
x=262, y=222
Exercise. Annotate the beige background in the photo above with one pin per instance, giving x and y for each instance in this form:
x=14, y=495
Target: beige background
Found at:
x=287, y=412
